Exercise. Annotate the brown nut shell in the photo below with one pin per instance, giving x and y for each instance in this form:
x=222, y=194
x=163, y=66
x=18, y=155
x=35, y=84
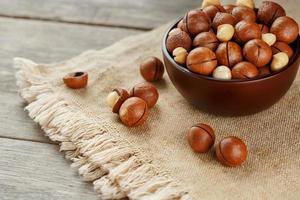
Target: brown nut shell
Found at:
x=282, y=47
x=201, y=60
x=269, y=11
x=178, y=38
x=264, y=28
x=223, y=18
x=245, y=31
x=286, y=29
x=231, y=151
x=152, y=69
x=229, y=54
x=123, y=95
x=133, y=112
x=147, y=92
x=206, y=39
x=76, y=80
x=244, y=70
x=257, y=52
x=244, y=13
x=212, y=10
x=195, y=22
x=201, y=137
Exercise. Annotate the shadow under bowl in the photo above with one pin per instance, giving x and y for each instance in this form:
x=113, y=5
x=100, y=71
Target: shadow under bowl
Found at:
x=231, y=97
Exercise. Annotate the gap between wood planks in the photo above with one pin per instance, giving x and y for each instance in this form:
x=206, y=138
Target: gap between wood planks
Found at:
x=29, y=140
x=75, y=22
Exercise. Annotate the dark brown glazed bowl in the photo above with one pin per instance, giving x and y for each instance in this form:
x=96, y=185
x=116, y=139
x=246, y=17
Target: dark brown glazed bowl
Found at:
x=232, y=97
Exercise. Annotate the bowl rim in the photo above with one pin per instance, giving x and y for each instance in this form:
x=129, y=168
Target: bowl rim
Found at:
x=167, y=55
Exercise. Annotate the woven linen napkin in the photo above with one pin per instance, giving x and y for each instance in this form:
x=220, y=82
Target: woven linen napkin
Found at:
x=154, y=161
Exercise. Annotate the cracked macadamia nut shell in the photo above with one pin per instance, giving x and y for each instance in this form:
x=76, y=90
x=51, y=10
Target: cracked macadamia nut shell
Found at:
x=257, y=52
x=133, y=112
x=244, y=70
x=223, y=18
x=245, y=31
x=76, y=80
x=229, y=54
x=282, y=47
x=206, y=39
x=269, y=11
x=212, y=10
x=286, y=29
x=152, y=69
x=201, y=60
x=244, y=13
x=147, y=92
x=196, y=21
x=178, y=38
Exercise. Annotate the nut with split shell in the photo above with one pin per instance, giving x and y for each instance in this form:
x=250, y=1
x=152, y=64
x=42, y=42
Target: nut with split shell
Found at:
x=282, y=47
x=243, y=13
x=212, y=10
x=269, y=11
x=245, y=31
x=286, y=29
x=206, y=39
x=195, y=22
x=147, y=92
x=244, y=70
x=116, y=98
x=223, y=18
x=279, y=61
x=152, y=69
x=180, y=54
x=257, y=52
x=229, y=53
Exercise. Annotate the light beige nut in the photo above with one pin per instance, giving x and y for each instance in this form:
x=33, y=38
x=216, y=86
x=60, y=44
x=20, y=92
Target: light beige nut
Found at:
x=279, y=61
x=269, y=38
x=222, y=72
x=247, y=3
x=180, y=54
x=225, y=32
x=206, y=3
x=112, y=98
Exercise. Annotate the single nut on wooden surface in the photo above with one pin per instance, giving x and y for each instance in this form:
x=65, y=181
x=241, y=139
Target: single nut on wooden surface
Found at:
x=116, y=98
x=152, y=69
x=195, y=22
x=76, y=80
x=178, y=38
x=244, y=13
x=228, y=8
x=269, y=38
x=206, y=3
x=206, y=39
x=247, y=3
x=245, y=31
x=282, y=47
x=180, y=55
x=201, y=137
x=279, y=61
x=286, y=29
x=257, y=52
x=147, y=92
x=212, y=10
x=244, y=70
x=222, y=72
x=201, y=60
x=263, y=28
x=229, y=53
x=223, y=18
x=133, y=112
x=231, y=151
x=225, y=32
x=269, y=11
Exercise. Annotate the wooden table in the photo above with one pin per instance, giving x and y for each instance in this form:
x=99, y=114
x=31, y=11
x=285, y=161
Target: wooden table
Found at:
x=31, y=166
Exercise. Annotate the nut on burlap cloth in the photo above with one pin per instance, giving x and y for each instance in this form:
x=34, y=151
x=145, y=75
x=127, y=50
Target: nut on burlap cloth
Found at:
x=154, y=161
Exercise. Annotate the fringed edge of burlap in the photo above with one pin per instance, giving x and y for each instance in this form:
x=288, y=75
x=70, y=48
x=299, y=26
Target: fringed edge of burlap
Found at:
x=115, y=168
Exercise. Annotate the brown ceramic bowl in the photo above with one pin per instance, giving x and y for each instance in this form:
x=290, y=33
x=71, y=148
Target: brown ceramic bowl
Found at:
x=232, y=97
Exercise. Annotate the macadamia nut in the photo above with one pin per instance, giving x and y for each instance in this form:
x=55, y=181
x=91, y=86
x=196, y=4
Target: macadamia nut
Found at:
x=180, y=55
x=225, y=32
x=112, y=98
x=269, y=38
x=247, y=3
x=280, y=60
x=222, y=72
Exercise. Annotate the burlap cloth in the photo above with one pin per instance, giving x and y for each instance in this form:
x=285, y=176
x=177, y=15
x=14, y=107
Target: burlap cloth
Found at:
x=154, y=161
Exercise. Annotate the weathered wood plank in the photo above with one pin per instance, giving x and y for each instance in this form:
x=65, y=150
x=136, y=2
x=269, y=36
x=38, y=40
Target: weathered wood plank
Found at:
x=31, y=170
x=143, y=14
x=42, y=42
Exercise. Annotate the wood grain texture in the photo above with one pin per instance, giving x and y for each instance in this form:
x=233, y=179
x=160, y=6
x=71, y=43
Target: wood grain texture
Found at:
x=30, y=170
x=143, y=14
x=43, y=42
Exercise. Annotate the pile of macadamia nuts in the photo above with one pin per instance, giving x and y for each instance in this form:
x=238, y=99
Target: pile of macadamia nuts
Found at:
x=234, y=41
x=133, y=107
